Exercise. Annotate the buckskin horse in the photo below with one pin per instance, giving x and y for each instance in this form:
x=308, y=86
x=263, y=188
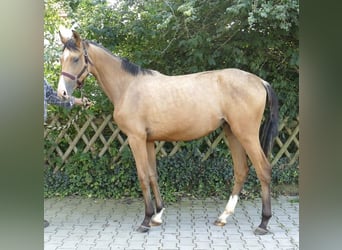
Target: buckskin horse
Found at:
x=150, y=106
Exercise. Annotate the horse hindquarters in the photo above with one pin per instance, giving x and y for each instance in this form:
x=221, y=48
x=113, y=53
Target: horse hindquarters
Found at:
x=258, y=150
x=244, y=137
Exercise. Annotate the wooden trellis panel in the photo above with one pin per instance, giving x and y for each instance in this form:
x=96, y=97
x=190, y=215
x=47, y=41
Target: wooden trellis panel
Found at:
x=289, y=141
x=98, y=136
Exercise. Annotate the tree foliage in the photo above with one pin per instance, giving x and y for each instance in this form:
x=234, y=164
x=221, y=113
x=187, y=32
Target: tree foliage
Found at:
x=179, y=37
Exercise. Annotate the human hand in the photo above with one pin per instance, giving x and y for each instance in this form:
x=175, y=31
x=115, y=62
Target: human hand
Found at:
x=85, y=102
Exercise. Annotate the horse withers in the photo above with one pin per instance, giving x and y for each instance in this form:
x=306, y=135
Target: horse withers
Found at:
x=150, y=106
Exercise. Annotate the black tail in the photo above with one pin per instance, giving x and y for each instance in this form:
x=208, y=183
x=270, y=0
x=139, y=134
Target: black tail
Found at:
x=269, y=129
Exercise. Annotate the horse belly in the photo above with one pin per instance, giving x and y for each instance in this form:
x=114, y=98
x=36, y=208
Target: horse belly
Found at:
x=181, y=128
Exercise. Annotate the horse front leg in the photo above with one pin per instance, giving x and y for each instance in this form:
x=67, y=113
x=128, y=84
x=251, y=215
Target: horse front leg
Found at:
x=139, y=150
x=153, y=175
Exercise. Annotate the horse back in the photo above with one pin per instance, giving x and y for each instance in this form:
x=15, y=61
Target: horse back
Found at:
x=186, y=107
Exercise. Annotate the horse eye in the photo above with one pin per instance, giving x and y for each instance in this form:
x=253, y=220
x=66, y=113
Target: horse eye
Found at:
x=76, y=59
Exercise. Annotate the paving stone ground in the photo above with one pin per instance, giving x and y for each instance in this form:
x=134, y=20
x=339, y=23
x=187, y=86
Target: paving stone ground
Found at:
x=84, y=223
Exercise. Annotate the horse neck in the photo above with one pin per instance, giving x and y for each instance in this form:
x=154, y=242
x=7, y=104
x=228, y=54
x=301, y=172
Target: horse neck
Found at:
x=108, y=72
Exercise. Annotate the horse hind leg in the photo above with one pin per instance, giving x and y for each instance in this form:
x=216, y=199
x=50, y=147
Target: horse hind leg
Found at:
x=263, y=171
x=240, y=174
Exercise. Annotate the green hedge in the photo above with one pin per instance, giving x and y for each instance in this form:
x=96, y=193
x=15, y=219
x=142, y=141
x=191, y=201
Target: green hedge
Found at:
x=183, y=174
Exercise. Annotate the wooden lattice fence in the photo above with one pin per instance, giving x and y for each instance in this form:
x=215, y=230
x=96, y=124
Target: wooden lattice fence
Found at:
x=99, y=135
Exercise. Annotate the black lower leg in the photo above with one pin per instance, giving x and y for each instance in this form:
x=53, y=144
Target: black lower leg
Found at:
x=145, y=225
x=149, y=210
x=266, y=215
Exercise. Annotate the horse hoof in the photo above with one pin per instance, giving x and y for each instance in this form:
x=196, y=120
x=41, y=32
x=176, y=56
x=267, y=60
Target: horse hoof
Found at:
x=155, y=223
x=261, y=231
x=219, y=223
x=143, y=229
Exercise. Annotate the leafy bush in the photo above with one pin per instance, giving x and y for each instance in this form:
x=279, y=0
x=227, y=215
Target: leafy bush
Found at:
x=183, y=174
x=93, y=177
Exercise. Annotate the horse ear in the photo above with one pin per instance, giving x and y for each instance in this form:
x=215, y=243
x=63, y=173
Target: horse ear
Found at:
x=77, y=38
x=65, y=34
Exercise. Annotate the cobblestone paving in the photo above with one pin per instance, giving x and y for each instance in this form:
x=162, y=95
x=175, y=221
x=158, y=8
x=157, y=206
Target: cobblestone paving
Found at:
x=81, y=223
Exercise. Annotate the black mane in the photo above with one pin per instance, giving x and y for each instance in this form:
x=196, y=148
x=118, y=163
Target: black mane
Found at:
x=126, y=65
x=133, y=68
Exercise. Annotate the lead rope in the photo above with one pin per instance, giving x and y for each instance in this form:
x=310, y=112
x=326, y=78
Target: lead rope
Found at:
x=72, y=121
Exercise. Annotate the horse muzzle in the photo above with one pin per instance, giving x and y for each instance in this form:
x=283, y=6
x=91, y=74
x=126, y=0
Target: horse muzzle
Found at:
x=65, y=88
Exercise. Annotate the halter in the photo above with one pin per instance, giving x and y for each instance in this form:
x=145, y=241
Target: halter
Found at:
x=76, y=78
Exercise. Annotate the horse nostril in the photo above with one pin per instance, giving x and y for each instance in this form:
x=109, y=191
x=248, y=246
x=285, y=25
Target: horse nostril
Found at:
x=64, y=93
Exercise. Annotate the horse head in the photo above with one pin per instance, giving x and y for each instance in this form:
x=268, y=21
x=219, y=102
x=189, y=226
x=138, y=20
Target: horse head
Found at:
x=74, y=62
